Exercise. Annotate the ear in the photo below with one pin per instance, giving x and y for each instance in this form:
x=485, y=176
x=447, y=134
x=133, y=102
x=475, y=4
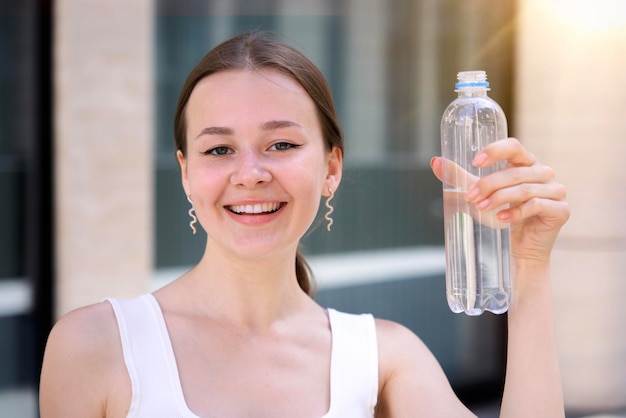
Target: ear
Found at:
x=335, y=170
x=182, y=162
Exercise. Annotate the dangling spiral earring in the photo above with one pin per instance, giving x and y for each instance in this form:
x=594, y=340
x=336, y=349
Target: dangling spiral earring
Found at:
x=194, y=218
x=330, y=210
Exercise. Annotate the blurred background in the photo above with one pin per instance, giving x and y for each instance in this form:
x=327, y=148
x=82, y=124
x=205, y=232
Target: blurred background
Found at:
x=91, y=204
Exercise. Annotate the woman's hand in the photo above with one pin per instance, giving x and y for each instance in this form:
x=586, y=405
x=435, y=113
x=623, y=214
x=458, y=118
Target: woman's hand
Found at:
x=536, y=212
x=537, y=208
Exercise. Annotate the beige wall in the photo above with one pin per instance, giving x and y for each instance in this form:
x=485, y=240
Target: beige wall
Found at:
x=103, y=85
x=571, y=104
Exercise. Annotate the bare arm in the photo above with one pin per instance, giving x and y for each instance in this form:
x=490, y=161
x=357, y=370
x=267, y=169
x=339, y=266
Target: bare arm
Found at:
x=538, y=211
x=412, y=383
x=80, y=364
x=533, y=382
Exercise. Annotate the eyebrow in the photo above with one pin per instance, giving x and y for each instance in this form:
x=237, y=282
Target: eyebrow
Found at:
x=216, y=130
x=266, y=126
x=278, y=124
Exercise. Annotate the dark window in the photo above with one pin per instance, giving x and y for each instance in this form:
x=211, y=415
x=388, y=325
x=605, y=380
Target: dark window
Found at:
x=392, y=71
x=25, y=191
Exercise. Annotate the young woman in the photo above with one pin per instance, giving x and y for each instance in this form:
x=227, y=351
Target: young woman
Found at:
x=259, y=145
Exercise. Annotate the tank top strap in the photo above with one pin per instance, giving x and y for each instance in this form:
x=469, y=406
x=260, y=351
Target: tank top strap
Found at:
x=354, y=365
x=156, y=389
x=149, y=359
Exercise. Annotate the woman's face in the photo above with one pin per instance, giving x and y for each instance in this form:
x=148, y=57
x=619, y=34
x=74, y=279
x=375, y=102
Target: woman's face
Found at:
x=256, y=163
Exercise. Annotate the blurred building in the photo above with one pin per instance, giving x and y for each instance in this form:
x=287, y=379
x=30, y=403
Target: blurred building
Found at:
x=90, y=198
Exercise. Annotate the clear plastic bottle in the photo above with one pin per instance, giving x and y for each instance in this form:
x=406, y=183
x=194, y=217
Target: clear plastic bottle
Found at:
x=477, y=245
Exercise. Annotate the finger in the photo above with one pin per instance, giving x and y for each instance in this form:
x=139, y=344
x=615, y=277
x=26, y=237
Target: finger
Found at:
x=486, y=186
x=451, y=174
x=436, y=165
x=509, y=149
x=522, y=193
x=552, y=213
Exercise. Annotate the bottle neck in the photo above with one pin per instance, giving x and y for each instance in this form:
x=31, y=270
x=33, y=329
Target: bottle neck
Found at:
x=472, y=92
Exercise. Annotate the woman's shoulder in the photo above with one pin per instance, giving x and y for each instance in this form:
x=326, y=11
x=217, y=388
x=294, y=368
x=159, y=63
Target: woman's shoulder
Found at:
x=411, y=381
x=402, y=352
x=82, y=357
x=89, y=328
x=397, y=343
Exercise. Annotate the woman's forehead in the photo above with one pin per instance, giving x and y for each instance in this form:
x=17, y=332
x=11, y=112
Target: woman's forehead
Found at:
x=262, y=94
x=230, y=81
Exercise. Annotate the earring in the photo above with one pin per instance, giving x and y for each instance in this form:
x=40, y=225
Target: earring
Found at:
x=194, y=218
x=330, y=208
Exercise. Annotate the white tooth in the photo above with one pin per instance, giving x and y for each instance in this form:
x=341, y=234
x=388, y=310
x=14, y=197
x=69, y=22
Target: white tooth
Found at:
x=256, y=208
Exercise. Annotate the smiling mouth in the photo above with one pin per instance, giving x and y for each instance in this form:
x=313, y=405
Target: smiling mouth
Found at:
x=256, y=209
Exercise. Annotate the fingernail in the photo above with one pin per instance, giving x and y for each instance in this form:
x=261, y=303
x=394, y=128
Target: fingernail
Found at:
x=479, y=159
x=432, y=161
x=472, y=194
x=504, y=216
x=483, y=204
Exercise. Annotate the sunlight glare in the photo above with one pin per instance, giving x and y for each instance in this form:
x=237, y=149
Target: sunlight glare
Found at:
x=597, y=15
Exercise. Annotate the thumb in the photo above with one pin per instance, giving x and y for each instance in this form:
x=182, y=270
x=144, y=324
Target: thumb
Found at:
x=436, y=165
x=452, y=174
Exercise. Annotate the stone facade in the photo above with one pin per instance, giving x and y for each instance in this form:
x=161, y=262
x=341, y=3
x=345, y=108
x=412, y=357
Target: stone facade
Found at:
x=571, y=99
x=103, y=86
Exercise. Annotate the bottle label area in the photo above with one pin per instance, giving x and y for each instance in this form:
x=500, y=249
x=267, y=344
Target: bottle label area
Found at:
x=477, y=257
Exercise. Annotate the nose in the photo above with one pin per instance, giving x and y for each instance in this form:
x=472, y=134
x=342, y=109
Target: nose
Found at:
x=251, y=170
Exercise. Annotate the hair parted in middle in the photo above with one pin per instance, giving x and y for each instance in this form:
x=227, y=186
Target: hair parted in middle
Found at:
x=255, y=51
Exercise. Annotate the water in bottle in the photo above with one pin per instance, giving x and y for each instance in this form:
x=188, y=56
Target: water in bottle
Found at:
x=477, y=244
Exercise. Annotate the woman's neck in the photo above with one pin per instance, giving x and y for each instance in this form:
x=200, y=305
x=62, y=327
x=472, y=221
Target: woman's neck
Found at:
x=250, y=293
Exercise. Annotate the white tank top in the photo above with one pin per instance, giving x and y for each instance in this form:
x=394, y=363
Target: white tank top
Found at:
x=156, y=388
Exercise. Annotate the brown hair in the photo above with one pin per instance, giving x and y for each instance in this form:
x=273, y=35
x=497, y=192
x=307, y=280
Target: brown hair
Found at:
x=255, y=51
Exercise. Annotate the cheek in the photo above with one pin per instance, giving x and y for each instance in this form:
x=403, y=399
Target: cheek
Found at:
x=311, y=187
x=204, y=183
x=313, y=172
